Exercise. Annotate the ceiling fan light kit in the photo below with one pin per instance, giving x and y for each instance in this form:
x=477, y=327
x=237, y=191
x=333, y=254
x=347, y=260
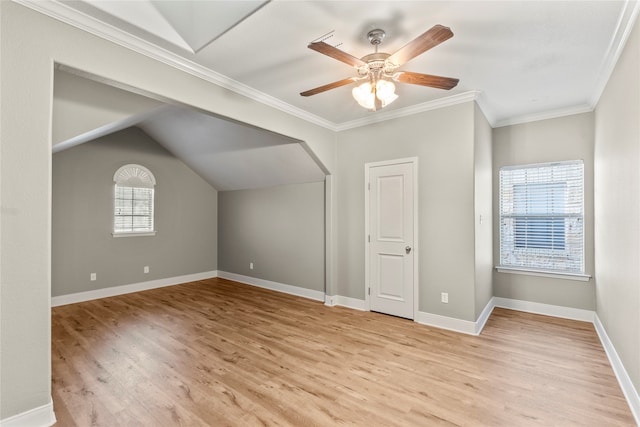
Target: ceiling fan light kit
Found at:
x=366, y=93
x=378, y=69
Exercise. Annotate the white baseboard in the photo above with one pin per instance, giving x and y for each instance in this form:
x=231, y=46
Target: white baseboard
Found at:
x=626, y=384
x=484, y=316
x=457, y=325
x=628, y=389
x=445, y=322
x=274, y=286
x=41, y=416
x=127, y=289
x=339, y=300
x=545, y=309
x=44, y=416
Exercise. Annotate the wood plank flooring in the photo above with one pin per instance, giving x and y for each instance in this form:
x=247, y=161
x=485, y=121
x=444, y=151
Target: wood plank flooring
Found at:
x=219, y=353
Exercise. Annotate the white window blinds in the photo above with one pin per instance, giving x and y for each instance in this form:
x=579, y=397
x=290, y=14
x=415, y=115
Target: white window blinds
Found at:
x=542, y=217
x=133, y=200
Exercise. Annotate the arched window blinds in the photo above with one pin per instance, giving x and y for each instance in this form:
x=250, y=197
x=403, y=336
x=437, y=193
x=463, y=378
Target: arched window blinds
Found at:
x=133, y=200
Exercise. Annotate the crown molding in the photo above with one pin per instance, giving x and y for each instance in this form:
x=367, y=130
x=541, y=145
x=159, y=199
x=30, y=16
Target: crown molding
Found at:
x=545, y=115
x=486, y=109
x=459, y=98
x=61, y=12
x=625, y=24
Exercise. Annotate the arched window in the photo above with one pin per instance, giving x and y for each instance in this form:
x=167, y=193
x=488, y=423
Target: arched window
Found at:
x=133, y=201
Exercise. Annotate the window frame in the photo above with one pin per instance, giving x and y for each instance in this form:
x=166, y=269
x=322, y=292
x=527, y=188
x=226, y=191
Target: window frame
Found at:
x=554, y=249
x=137, y=177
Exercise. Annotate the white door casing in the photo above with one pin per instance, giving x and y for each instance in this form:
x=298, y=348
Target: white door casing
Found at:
x=391, y=242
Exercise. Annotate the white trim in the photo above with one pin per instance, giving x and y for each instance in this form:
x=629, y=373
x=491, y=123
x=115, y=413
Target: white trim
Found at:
x=626, y=20
x=134, y=234
x=445, y=322
x=37, y=417
x=628, y=389
x=630, y=392
x=416, y=288
x=127, y=289
x=58, y=10
x=274, y=286
x=545, y=309
x=459, y=98
x=544, y=115
x=625, y=24
x=457, y=325
x=484, y=315
x=339, y=300
x=488, y=112
x=555, y=275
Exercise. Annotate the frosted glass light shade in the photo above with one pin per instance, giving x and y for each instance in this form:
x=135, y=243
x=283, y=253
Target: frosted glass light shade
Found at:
x=364, y=95
x=384, y=91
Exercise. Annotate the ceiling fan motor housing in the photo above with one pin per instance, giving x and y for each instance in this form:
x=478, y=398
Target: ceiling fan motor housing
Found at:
x=376, y=63
x=379, y=66
x=376, y=36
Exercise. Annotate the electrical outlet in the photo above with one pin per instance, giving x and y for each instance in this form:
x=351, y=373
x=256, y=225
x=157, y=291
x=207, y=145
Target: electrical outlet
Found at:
x=251, y=265
x=444, y=297
x=93, y=277
x=146, y=269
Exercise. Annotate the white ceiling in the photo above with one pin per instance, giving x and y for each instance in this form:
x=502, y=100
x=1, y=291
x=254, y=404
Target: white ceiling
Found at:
x=226, y=154
x=522, y=60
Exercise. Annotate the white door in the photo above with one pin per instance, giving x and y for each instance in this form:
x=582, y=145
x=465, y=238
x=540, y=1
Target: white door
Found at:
x=391, y=238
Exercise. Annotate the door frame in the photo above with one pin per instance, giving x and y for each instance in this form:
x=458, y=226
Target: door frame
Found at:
x=367, y=255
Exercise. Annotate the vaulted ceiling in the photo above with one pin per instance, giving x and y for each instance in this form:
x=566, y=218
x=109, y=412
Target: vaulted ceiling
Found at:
x=520, y=60
x=226, y=154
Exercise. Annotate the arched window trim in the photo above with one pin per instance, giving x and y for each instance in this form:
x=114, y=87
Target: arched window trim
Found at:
x=133, y=201
x=134, y=175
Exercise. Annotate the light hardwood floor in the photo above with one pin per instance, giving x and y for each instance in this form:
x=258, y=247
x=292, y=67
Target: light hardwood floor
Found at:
x=219, y=353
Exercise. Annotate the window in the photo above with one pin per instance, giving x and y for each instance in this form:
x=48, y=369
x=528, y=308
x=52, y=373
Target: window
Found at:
x=133, y=201
x=542, y=217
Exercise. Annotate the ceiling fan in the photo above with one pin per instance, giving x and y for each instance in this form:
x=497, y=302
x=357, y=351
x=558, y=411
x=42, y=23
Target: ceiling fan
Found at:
x=378, y=70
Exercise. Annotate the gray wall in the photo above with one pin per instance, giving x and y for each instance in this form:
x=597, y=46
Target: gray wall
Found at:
x=82, y=105
x=25, y=171
x=82, y=217
x=564, y=138
x=443, y=141
x=279, y=229
x=25, y=186
x=617, y=207
x=483, y=205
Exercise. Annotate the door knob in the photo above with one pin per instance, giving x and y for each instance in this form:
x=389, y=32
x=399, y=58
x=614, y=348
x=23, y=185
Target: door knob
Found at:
x=408, y=249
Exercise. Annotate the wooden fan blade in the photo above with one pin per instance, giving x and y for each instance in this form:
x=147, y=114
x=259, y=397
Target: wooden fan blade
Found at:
x=328, y=87
x=431, y=38
x=426, y=80
x=327, y=49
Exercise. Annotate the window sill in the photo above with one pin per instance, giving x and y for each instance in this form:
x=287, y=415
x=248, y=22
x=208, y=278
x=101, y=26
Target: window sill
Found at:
x=135, y=234
x=553, y=274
